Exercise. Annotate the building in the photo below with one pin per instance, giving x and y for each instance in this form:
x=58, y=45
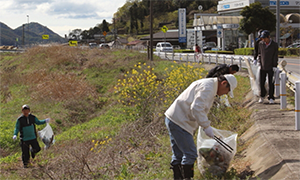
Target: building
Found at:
x=225, y=24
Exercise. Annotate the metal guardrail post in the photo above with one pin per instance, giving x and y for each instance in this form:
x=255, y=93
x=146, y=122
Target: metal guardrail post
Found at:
x=187, y=57
x=224, y=59
x=240, y=61
x=195, y=58
x=297, y=105
x=231, y=59
x=217, y=60
x=180, y=57
x=209, y=59
x=277, y=83
x=282, y=90
x=173, y=56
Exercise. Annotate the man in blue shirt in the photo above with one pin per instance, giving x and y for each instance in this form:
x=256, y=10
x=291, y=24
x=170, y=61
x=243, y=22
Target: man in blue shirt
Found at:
x=26, y=126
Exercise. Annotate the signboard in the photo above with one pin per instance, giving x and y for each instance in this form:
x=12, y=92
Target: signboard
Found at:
x=219, y=31
x=191, y=39
x=104, y=33
x=230, y=26
x=286, y=3
x=164, y=29
x=45, y=36
x=73, y=43
x=182, y=25
x=225, y=5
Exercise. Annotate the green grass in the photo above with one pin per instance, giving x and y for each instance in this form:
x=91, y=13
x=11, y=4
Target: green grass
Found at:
x=79, y=120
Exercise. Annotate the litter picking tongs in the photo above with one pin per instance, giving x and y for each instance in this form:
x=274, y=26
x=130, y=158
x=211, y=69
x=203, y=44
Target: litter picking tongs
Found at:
x=226, y=146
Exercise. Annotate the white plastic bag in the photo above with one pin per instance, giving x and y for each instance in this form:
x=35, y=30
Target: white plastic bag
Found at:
x=212, y=156
x=47, y=136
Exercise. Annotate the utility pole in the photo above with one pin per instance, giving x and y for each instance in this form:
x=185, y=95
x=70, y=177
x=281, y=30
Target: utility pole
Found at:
x=23, y=36
x=28, y=28
x=151, y=31
x=115, y=32
x=278, y=21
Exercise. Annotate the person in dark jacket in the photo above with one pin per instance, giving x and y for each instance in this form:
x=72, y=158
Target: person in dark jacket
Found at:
x=26, y=126
x=223, y=69
x=256, y=47
x=268, y=52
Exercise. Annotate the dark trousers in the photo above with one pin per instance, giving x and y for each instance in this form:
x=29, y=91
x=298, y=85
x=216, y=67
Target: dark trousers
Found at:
x=25, y=145
x=263, y=92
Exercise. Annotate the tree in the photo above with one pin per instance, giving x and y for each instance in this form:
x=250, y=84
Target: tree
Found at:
x=255, y=17
x=75, y=34
x=105, y=26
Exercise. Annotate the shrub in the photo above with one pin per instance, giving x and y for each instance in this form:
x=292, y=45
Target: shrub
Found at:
x=141, y=86
x=219, y=52
x=244, y=51
x=183, y=51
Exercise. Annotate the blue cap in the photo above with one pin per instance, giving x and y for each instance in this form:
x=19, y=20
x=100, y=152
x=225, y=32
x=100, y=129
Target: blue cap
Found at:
x=264, y=34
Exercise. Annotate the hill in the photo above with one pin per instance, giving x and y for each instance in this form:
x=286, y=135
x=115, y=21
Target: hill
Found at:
x=106, y=109
x=33, y=36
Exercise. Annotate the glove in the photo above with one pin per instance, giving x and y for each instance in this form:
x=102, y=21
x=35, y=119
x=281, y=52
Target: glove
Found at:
x=47, y=120
x=254, y=61
x=274, y=69
x=209, y=131
x=14, y=137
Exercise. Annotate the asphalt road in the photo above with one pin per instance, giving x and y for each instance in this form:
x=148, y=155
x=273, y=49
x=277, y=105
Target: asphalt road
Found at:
x=293, y=65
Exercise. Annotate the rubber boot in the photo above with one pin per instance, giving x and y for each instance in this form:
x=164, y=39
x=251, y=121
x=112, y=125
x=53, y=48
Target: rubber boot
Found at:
x=177, y=172
x=188, y=171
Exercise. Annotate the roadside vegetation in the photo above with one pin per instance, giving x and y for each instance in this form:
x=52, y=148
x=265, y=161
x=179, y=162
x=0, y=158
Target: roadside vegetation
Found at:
x=107, y=111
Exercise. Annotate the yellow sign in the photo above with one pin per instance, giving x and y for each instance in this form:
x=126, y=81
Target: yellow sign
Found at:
x=164, y=29
x=73, y=43
x=104, y=33
x=45, y=36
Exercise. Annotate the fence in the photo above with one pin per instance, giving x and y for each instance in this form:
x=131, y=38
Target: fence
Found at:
x=288, y=78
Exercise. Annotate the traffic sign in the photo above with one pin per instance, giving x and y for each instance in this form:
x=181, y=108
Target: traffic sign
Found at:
x=164, y=29
x=200, y=7
x=45, y=36
x=73, y=43
x=104, y=33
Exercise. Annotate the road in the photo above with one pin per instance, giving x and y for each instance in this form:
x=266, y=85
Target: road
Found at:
x=293, y=64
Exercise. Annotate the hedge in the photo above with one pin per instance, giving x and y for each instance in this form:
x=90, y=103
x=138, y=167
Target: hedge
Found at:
x=219, y=52
x=281, y=51
x=244, y=51
x=183, y=51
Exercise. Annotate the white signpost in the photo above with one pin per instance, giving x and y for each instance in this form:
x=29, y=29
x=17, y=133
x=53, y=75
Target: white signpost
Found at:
x=182, y=25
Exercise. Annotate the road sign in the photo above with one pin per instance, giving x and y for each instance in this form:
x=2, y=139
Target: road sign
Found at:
x=200, y=7
x=45, y=36
x=104, y=33
x=182, y=25
x=219, y=31
x=73, y=43
x=164, y=29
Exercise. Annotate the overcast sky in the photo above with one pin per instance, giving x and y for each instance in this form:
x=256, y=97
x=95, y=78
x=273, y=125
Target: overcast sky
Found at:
x=60, y=16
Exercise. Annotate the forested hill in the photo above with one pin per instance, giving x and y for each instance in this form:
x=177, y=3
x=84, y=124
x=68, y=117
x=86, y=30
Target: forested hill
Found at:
x=32, y=33
x=133, y=16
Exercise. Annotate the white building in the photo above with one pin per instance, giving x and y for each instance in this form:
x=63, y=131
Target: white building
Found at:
x=226, y=23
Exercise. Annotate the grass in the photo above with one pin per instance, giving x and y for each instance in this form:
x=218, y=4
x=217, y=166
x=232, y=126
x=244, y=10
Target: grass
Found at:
x=88, y=112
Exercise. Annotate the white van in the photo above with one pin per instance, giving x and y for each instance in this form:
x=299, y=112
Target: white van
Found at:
x=164, y=47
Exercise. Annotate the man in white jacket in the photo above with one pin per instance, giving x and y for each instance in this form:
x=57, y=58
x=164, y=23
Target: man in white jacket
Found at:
x=187, y=113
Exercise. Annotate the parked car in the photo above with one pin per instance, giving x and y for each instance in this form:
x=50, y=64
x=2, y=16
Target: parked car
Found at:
x=294, y=45
x=164, y=47
x=209, y=46
x=104, y=46
x=92, y=45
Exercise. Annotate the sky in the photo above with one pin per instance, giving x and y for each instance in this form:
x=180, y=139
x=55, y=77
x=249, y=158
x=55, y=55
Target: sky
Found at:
x=61, y=16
